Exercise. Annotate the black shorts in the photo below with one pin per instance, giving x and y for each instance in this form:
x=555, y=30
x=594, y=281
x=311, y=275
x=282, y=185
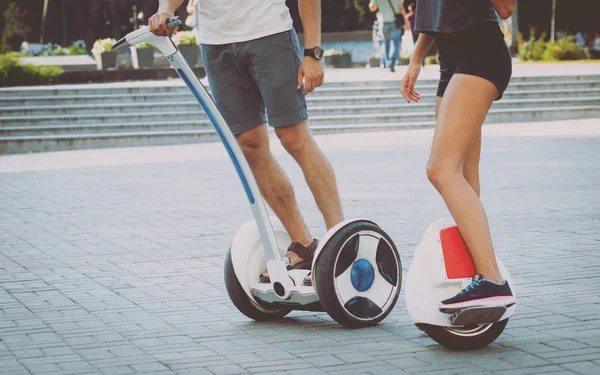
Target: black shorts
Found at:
x=478, y=50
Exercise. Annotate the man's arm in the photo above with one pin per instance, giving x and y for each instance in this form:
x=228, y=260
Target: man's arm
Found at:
x=166, y=10
x=169, y=6
x=505, y=8
x=310, y=13
x=373, y=6
x=311, y=70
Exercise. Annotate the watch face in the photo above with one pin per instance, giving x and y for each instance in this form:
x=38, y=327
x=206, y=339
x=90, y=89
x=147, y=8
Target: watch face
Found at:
x=318, y=52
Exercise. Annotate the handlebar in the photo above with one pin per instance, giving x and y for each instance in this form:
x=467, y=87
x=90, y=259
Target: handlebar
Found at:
x=138, y=35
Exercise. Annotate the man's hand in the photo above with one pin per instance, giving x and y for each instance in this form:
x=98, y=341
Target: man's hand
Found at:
x=311, y=71
x=158, y=23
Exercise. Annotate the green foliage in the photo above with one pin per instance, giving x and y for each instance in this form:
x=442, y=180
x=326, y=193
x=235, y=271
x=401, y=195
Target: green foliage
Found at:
x=540, y=50
x=15, y=30
x=144, y=45
x=13, y=73
x=103, y=45
x=184, y=38
x=335, y=52
x=432, y=60
x=564, y=49
x=532, y=49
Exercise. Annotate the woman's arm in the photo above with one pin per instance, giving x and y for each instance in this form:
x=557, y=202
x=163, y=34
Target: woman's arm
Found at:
x=505, y=8
x=423, y=45
x=407, y=86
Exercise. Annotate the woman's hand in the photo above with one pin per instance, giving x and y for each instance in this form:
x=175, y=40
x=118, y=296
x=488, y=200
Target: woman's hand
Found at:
x=408, y=83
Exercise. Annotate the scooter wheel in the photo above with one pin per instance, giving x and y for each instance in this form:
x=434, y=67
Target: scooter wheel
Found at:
x=466, y=337
x=358, y=275
x=237, y=294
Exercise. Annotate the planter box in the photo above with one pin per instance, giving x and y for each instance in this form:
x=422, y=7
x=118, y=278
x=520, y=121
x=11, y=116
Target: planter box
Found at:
x=339, y=61
x=142, y=57
x=374, y=62
x=191, y=53
x=106, y=60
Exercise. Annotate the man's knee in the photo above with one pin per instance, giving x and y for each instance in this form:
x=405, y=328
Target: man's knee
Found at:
x=296, y=139
x=253, y=144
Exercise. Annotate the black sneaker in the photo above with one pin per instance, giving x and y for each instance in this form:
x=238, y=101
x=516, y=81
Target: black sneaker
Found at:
x=480, y=293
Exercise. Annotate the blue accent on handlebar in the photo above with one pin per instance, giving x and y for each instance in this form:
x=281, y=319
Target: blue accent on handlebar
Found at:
x=217, y=127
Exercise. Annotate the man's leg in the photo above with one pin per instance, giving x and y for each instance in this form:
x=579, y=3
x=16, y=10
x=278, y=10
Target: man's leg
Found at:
x=240, y=102
x=319, y=175
x=273, y=183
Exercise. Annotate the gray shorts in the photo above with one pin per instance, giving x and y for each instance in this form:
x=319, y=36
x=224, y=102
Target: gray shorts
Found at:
x=256, y=80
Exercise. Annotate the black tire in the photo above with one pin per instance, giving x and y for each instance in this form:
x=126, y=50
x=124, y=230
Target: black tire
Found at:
x=458, y=342
x=324, y=277
x=237, y=294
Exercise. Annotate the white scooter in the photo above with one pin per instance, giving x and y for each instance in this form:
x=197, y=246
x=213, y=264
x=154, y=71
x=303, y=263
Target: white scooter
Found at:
x=441, y=268
x=356, y=269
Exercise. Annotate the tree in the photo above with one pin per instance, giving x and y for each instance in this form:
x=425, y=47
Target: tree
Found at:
x=15, y=29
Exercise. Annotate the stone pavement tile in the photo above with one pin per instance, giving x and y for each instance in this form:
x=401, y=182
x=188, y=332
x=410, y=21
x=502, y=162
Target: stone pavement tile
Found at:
x=279, y=367
x=323, y=361
x=586, y=368
x=226, y=370
x=553, y=369
x=194, y=371
x=304, y=371
x=406, y=363
x=117, y=370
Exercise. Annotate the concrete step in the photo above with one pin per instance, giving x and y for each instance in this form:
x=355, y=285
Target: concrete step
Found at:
x=351, y=121
x=316, y=108
x=494, y=116
x=44, y=130
x=349, y=88
x=25, y=144
x=40, y=143
x=178, y=98
x=191, y=111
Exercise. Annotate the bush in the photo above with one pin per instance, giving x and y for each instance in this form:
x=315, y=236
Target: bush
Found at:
x=564, y=49
x=432, y=60
x=184, y=38
x=144, y=45
x=13, y=73
x=532, y=49
x=103, y=45
x=15, y=30
x=335, y=52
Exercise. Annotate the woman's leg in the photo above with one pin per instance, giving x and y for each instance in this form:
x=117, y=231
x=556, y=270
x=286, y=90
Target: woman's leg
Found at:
x=470, y=166
x=462, y=112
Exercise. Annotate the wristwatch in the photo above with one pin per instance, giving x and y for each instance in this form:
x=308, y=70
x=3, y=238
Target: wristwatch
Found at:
x=316, y=53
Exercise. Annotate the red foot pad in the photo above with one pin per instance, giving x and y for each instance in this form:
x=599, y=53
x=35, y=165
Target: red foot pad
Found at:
x=459, y=264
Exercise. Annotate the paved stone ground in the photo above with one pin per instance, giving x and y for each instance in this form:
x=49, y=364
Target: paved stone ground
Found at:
x=111, y=260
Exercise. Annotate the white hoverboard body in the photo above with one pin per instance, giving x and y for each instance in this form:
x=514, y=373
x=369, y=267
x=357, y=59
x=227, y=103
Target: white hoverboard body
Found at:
x=357, y=263
x=432, y=278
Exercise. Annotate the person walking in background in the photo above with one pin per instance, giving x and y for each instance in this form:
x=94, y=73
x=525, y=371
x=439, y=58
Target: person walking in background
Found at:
x=193, y=19
x=379, y=39
x=394, y=22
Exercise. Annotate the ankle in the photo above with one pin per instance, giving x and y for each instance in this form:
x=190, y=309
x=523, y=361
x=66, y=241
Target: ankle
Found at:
x=498, y=279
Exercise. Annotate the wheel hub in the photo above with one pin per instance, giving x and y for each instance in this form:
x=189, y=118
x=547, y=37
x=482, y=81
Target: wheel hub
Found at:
x=362, y=275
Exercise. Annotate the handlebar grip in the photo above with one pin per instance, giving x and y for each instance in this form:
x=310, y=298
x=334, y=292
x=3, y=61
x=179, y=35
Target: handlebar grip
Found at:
x=173, y=22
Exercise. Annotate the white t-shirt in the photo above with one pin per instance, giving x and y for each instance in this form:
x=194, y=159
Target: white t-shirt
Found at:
x=234, y=21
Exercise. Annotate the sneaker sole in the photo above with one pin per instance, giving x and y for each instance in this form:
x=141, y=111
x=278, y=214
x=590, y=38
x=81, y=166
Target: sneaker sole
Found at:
x=505, y=301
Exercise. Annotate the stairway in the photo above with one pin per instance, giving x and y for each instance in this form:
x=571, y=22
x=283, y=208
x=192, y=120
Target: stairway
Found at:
x=66, y=117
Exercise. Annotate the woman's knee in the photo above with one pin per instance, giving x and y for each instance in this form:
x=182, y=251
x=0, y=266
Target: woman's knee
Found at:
x=440, y=173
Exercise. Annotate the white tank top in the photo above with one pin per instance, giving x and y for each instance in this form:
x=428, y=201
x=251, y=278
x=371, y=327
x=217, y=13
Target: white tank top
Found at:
x=234, y=21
